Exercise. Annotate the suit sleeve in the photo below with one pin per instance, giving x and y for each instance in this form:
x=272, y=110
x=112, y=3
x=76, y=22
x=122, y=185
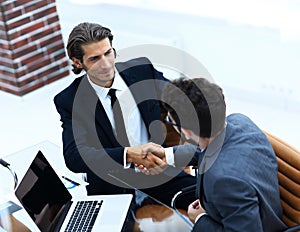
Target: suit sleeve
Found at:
x=80, y=154
x=187, y=155
x=235, y=205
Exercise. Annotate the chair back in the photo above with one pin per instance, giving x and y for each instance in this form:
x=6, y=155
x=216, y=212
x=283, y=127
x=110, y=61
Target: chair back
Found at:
x=289, y=179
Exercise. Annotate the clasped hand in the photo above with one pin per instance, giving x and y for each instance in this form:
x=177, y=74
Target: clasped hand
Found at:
x=149, y=158
x=194, y=210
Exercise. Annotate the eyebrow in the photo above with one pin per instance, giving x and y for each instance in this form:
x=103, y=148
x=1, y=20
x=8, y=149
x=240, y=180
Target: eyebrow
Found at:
x=95, y=57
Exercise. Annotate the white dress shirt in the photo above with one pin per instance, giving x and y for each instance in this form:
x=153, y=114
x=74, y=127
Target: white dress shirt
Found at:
x=135, y=127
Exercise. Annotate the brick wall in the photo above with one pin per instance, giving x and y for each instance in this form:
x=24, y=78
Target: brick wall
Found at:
x=32, y=52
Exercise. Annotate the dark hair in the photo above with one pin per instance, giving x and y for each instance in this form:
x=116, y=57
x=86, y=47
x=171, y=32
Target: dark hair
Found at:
x=82, y=34
x=183, y=96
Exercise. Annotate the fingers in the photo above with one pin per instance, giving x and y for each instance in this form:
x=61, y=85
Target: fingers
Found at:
x=153, y=148
x=134, y=154
x=146, y=158
x=151, y=165
x=196, y=204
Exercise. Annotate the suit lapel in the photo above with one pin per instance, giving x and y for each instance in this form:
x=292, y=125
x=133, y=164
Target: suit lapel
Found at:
x=93, y=106
x=146, y=108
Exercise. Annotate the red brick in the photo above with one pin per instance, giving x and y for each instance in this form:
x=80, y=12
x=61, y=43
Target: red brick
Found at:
x=65, y=63
x=19, y=44
x=22, y=2
x=13, y=14
x=51, y=41
x=59, y=56
x=5, y=63
x=32, y=28
x=45, y=73
x=53, y=19
x=27, y=80
x=30, y=88
x=14, y=35
x=7, y=82
x=44, y=62
x=5, y=89
x=32, y=58
x=35, y=5
x=54, y=48
x=5, y=73
x=4, y=53
x=8, y=6
x=26, y=50
x=56, y=27
x=21, y=73
x=16, y=24
x=45, y=12
x=37, y=36
x=4, y=46
x=59, y=76
x=3, y=34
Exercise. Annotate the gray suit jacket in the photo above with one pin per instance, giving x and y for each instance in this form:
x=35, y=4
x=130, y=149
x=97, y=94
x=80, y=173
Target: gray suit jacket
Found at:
x=238, y=185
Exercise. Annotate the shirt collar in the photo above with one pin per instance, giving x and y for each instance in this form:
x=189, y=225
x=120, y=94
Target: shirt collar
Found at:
x=118, y=84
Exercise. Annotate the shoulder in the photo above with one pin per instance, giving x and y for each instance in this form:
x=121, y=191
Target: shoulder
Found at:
x=237, y=117
x=140, y=62
x=69, y=92
x=241, y=128
x=245, y=138
x=241, y=122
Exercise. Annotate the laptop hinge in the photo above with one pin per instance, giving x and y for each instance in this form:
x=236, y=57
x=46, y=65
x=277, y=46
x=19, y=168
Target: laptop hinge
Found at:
x=63, y=216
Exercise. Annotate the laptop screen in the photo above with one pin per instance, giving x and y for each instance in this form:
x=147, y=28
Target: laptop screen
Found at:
x=42, y=193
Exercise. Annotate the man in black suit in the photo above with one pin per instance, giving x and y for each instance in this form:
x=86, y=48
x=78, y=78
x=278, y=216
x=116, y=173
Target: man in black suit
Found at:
x=93, y=142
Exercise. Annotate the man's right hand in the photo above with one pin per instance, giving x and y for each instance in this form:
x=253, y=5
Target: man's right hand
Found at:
x=147, y=155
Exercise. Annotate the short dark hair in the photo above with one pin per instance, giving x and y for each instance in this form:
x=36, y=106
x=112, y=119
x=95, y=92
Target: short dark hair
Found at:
x=82, y=34
x=183, y=96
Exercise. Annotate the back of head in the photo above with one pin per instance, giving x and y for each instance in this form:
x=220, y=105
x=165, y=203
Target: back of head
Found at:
x=82, y=34
x=182, y=97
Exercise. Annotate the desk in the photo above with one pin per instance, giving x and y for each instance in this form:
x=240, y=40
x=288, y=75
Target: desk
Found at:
x=19, y=162
x=152, y=216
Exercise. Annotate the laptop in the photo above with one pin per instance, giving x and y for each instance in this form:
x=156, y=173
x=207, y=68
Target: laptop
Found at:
x=52, y=208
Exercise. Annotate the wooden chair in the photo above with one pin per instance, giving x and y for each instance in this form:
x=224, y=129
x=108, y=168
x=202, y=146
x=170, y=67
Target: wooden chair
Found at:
x=289, y=181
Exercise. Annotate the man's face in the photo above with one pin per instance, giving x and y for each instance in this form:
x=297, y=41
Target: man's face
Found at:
x=99, y=62
x=183, y=133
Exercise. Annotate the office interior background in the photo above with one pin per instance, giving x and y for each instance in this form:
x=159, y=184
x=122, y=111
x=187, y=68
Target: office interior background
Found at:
x=251, y=48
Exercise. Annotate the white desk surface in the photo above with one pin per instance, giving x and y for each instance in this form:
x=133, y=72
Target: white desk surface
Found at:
x=20, y=162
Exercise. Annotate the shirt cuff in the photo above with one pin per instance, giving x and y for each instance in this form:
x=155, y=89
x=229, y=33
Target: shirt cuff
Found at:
x=126, y=165
x=199, y=216
x=169, y=154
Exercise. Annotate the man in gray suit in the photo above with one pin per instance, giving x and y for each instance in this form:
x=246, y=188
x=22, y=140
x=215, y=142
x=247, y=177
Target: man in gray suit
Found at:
x=237, y=185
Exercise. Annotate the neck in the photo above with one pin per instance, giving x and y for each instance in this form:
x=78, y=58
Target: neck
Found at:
x=204, y=142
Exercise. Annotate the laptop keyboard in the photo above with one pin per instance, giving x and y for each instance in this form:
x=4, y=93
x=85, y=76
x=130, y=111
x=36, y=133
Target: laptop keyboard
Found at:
x=84, y=216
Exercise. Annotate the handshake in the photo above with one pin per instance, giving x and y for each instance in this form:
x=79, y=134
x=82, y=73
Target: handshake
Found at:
x=149, y=158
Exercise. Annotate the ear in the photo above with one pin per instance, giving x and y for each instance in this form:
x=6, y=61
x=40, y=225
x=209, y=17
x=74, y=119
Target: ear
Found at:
x=77, y=62
x=115, y=53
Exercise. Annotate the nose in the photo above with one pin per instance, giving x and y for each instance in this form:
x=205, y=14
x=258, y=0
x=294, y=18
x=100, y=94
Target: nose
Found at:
x=104, y=62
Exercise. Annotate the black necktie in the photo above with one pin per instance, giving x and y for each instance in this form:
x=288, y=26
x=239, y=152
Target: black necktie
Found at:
x=119, y=121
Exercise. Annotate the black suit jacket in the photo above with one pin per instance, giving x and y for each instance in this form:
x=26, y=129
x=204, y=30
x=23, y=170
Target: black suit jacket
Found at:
x=89, y=144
